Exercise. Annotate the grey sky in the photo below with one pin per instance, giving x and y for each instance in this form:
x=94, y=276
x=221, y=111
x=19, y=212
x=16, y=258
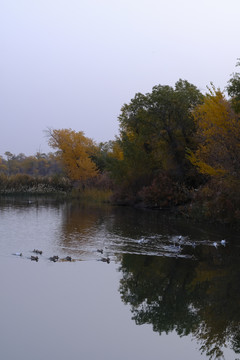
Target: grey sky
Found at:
x=74, y=63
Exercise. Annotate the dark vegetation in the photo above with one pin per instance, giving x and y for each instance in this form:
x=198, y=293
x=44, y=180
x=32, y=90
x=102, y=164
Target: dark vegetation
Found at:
x=177, y=149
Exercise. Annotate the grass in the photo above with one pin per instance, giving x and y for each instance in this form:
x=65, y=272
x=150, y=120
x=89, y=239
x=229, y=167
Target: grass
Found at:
x=92, y=195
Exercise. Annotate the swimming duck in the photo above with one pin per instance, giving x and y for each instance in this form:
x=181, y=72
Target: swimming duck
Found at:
x=68, y=258
x=54, y=258
x=34, y=258
x=100, y=251
x=36, y=251
x=107, y=260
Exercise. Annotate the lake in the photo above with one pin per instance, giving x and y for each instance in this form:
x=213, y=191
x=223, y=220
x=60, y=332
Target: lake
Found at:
x=141, y=284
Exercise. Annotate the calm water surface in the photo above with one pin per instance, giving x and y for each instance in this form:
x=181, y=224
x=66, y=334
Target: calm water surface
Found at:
x=167, y=293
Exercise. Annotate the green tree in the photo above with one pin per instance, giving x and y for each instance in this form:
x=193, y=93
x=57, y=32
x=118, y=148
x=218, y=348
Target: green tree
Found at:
x=233, y=89
x=157, y=127
x=155, y=130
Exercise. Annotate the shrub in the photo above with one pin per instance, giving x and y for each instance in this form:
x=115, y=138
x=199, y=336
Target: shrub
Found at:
x=218, y=201
x=164, y=192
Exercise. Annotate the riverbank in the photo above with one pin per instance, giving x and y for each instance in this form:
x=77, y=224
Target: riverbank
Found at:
x=205, y=204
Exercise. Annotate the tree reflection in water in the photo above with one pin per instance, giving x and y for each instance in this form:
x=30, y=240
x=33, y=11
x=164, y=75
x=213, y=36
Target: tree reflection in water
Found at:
x=201, y=298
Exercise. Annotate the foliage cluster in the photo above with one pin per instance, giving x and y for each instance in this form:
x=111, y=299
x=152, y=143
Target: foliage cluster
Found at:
x=218, y=137
x=164, y=193
x=233, y=89
x=218, y=200
x=155, y=130
x=74, y=150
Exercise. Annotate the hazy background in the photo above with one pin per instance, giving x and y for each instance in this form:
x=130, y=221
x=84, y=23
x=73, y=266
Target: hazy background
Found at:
x=74, y=63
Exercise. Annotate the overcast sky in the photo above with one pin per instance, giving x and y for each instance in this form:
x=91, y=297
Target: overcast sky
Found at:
x=74, y=63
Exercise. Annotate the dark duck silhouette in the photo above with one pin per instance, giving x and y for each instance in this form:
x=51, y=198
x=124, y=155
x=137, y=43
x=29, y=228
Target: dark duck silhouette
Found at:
x=36, y=251
x=54, y=258
x=34, y=258
x=68, y=258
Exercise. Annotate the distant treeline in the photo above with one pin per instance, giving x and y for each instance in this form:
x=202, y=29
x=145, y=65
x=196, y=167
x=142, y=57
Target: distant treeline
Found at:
x=38, y=174
x=177, y=149
x=40, y=164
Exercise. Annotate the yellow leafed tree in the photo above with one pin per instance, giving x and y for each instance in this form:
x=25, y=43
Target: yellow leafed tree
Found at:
x=74, y=150
x=218, y=137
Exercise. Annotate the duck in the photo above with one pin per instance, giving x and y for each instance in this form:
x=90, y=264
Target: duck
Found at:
x=34, y=258
x=141, y=241
x=68, y=258
x=107, y=260
x=223, y=242
x=18, y=254
x=177, y=240
x=54, y=258
x=36, y=251
x=215, y=244
x=100, y=251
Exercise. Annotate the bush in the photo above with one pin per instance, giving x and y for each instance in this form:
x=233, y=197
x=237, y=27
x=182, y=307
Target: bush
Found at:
x=164, y=193
x=218, y=201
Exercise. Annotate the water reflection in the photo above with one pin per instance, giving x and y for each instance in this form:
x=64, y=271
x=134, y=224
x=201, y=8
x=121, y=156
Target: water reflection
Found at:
x=83, y=230
x=201, y=297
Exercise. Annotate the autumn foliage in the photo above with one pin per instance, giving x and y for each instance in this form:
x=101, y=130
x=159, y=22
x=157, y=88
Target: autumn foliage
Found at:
x=218, y=136
x=74, y=151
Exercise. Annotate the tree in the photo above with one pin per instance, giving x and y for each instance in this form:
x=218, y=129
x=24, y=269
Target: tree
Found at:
x=233, y=89
x=3, y=167
x=155, y=130
x=218, y=135
x=218, y=158
x=74, y=151
x=105, y=154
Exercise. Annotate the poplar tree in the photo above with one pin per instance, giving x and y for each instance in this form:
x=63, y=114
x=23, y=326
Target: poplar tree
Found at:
x=74, y=151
